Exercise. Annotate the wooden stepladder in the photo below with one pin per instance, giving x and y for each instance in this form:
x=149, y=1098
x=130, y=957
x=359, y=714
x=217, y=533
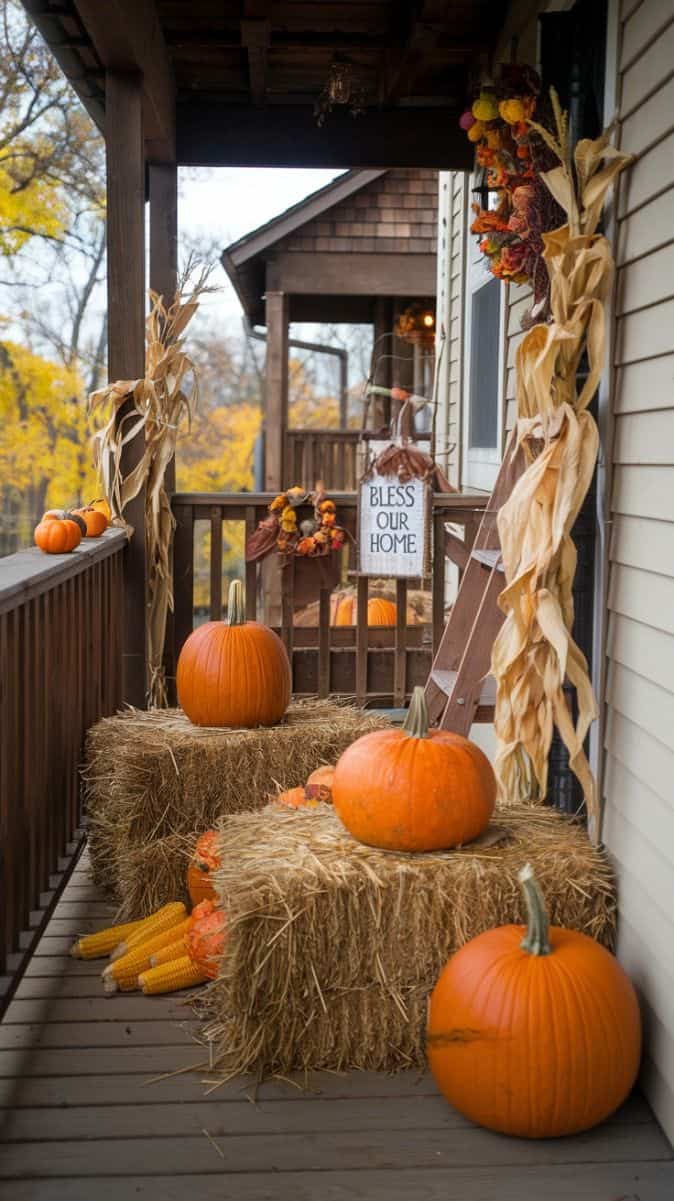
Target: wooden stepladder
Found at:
x=460, y=689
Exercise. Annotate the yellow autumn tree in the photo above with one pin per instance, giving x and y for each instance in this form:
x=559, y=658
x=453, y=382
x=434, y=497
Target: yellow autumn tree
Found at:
x=44, y=432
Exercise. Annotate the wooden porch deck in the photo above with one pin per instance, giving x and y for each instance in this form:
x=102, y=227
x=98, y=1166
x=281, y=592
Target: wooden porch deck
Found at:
x=82, y=1119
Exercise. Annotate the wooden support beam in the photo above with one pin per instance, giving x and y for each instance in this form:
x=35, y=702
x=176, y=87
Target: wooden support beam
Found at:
x=255, y=36
x=163, y=188
x=127, y=36
x=276, y=404
x=404, y=65
x=126, y=330
x=212, y=134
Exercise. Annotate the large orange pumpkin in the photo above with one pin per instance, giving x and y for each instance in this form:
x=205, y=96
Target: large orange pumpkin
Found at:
x=235, y=672
x=206, y=936
x=538, y=1036
x=380, y=612
x=204, y=860
x=57, y=536
x=414, y=789
x=95, y=521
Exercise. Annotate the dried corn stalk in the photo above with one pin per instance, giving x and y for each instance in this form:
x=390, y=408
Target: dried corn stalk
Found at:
x=534, y=651
x=157, y=407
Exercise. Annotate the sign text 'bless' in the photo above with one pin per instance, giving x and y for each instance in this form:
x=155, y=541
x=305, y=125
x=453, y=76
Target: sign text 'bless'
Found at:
x=392, y=527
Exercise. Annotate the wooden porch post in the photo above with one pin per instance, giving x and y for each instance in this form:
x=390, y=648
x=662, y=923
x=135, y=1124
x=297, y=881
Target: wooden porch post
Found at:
x=276, y=403
x=163, y=189
x=126, y=330
x=383, y=349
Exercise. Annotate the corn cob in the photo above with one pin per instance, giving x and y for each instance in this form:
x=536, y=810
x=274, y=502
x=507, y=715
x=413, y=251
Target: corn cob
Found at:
x=169, y=915
x=169, y=977
x=174, y=950
x=95, y=946
x=123, y=973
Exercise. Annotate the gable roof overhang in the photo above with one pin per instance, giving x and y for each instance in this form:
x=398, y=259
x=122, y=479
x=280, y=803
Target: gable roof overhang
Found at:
x=322, y=287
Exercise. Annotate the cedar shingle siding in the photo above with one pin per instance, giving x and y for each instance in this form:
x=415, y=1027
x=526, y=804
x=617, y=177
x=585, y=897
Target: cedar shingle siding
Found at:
x=400, y=204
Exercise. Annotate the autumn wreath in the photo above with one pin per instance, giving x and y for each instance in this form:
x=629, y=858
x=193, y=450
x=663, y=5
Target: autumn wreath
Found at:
x=310, y=537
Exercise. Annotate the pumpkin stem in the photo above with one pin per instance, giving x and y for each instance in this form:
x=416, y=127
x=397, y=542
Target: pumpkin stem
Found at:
x=535, y=941
x=416, y=722
x=236, y=613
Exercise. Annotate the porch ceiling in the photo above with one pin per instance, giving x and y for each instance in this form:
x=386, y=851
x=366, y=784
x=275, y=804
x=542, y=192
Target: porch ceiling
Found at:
x=235, y=81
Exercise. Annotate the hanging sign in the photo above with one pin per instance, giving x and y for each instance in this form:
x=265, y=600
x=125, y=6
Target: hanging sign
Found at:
x=393, y=526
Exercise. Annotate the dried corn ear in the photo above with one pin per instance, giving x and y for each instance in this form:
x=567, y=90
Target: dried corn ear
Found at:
x=96, y=946
x=169, y=915
x=169, y=977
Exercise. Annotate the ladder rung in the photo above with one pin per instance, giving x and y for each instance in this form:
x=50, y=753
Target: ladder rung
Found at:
x=490, y=558
x=445, y=681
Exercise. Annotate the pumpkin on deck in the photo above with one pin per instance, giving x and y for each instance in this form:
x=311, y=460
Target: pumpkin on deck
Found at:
x=204, y=860
x=101, y=505
x=57, y=535
x=414, y=789
x=235, y=672
x=536, y=1037
x=380, y=612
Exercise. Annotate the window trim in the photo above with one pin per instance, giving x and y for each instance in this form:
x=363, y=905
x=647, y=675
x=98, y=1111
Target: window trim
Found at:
x=480, y=465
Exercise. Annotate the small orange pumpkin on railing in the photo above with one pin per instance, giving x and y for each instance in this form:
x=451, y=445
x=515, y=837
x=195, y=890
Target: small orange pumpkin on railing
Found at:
x=94, y=519
x=56, y=535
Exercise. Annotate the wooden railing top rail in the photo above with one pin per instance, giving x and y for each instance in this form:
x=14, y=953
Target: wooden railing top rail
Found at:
x=307, y=431
x=238, y=501
x=30, y=573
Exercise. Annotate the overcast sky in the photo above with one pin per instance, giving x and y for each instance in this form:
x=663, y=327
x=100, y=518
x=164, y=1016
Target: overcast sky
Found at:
x=223, y=204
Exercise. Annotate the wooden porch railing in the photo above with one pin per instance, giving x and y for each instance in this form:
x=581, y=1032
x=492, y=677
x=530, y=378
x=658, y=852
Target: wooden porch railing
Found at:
x=376, y=665
x=328, y=455
x=60, y=670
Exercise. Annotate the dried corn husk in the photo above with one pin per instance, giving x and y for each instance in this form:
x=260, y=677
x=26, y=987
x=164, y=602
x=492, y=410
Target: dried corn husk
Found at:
x=534, y=651
x=158, y=406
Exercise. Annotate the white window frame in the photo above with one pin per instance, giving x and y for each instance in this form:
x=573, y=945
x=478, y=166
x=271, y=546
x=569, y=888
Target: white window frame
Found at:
x=480, y=463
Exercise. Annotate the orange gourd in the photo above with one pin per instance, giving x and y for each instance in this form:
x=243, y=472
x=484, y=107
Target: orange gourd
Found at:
x=380, y=612
x=536, y=1037
x=206, y=936
x=204, y=860
x=101, y=505
x=57, y=535
x=319, y=785
x=235, y=672
x=414, y=789
x=296, y=798
x=95, y=521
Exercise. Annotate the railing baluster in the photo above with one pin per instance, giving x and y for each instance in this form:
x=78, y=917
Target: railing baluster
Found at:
x=400, y=646
x=216, y=563
x=183, y=569
x=361, y=639
x=251, y=569
x=324, y=642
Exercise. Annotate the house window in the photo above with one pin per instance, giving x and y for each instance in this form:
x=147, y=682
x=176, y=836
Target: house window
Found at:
x=483, y=378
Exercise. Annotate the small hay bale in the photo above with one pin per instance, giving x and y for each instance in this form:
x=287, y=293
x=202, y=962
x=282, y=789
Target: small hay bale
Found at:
x=333, y=946
x=152, y=779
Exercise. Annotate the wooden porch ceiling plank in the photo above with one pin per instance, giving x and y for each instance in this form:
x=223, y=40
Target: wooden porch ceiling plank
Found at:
x=255, y=36
x=361, y=1150
x=127, y=36
x=212, y=134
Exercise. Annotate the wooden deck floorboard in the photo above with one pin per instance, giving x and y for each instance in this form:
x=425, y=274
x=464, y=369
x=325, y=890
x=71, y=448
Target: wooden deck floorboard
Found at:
x=84, y=1117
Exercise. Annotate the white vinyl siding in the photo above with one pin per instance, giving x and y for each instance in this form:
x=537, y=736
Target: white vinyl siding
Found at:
x=638, y=778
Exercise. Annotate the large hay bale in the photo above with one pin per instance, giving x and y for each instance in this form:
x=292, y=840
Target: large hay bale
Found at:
x=153, y=782
x=333, y=947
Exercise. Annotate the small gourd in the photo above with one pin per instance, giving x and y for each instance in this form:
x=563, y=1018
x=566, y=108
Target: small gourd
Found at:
x=204, y=861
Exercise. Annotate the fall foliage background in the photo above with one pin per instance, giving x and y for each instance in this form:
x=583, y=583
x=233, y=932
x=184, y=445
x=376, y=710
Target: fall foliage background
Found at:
x=52, y=316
